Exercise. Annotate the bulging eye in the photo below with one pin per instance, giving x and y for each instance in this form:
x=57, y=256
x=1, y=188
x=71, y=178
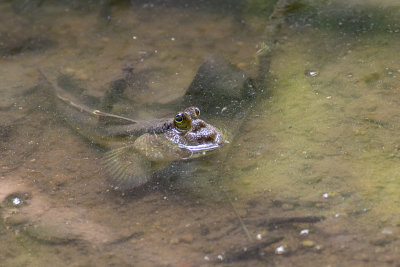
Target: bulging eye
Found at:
x=179, y=118
x=182, y=122
x=197, y=111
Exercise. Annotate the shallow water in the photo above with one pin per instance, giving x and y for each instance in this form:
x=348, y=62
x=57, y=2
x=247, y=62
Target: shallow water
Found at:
x=314, y=167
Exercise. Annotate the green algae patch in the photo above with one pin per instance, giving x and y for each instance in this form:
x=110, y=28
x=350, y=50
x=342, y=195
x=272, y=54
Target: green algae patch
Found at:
x=330, y=127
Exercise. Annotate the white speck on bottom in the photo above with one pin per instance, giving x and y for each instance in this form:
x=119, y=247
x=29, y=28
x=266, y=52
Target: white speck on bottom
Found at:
x=280, y=250
x=304, y=232
x=16, y=201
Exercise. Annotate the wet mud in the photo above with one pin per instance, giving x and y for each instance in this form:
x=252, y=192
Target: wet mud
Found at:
x=312, y=171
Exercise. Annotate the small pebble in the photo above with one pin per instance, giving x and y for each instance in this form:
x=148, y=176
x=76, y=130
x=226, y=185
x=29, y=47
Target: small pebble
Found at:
x=280, y=250
x=174, y=241
x=188, y=238
x=387, y=231
x=16, y=219
x=304, y=232
x=307, y=243
x=16, y=201
x=287, y=206
x=311, y=73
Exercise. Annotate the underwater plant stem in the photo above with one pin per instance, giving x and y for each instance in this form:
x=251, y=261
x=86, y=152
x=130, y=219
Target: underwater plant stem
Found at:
x=246, y=231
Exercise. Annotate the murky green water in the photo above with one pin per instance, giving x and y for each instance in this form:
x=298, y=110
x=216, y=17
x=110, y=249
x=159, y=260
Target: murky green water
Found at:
x=314, y=168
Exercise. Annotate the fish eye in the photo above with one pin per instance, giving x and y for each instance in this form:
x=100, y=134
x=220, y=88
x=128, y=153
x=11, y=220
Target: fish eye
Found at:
x=179, y=118
x=182, y=122
x=197, y=111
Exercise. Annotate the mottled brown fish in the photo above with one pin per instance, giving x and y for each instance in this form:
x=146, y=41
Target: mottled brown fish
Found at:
x=139, y=148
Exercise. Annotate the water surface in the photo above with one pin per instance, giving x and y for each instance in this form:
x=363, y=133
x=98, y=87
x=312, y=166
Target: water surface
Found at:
x=314, y=165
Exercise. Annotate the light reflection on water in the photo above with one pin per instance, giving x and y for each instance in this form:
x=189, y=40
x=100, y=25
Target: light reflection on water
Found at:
x=314, y=165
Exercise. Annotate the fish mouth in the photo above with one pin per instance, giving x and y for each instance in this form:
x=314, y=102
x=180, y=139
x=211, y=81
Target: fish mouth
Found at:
x=201, y=148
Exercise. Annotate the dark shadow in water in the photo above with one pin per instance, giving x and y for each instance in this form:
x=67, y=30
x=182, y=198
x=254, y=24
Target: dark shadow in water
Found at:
x=14, y=45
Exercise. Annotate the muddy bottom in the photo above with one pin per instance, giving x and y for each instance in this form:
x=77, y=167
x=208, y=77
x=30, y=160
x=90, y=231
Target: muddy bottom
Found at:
x=312, y=173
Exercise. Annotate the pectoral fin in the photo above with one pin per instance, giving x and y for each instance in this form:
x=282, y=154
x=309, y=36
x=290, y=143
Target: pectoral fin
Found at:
x=126, y=168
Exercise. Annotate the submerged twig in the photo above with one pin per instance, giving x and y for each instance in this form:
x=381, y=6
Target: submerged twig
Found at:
x=273, y=222
x=246, y=231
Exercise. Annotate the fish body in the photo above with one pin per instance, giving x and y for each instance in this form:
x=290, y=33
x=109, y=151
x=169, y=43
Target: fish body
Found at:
x=139, y=148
